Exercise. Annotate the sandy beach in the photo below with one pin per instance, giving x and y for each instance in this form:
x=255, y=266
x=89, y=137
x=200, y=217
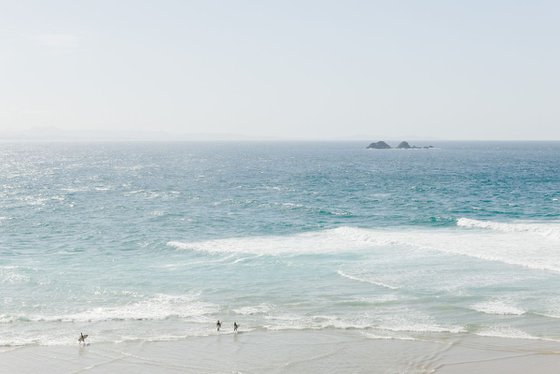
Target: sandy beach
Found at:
x=291, y=352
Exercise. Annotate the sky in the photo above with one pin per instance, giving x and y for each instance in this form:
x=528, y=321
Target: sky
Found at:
x=296, y=70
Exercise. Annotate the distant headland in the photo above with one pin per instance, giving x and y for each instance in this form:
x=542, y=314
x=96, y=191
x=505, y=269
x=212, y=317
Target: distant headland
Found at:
x=402, y=145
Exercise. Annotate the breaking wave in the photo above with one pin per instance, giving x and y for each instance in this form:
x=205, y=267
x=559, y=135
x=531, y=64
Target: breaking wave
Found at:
x=158, y=307
x=534, y=246
x=548, y=230
x=498, y=307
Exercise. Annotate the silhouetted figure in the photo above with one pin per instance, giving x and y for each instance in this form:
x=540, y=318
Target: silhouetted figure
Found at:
x=218, y=325
x=82, y=338
x=235, y=327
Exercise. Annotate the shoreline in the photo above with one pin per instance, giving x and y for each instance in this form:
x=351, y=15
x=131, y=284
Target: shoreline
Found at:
x=310, y=351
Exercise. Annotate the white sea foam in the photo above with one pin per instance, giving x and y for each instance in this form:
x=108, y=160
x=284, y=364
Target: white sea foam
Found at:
x=422, y=328
x=57, y=334
x=521, y=247
x=548, y=229
x=12, y=275
x=366, y=280
x=400, y=318
x=509, y=333
x=389, y=337
x=499, y=307
x=288, y=321
x=334, y=240
x=158, y=307
x=36, y=339
x=254, y=310
x=377, y=299
x=382, y=324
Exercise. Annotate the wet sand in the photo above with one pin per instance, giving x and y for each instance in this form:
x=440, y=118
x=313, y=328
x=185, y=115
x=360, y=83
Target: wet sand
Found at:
x=291, y=352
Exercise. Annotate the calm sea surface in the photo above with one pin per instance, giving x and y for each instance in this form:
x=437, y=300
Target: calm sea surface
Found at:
x=156, y=241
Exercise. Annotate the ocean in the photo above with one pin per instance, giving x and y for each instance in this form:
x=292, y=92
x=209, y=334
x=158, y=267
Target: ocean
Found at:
x=157, y=241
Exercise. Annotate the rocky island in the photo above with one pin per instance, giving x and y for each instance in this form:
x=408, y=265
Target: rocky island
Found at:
x=402, y=145
x=379, y=145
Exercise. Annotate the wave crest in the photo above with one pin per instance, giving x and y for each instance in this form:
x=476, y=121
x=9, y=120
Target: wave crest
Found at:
x=366, y=280
x=534, y=246
x=497, y=307
x=549, y=229
x=158, y=307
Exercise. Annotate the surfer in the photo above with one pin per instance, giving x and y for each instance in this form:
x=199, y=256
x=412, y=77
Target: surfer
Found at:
x=218, y=325
x=82, y=338
x=235, y=327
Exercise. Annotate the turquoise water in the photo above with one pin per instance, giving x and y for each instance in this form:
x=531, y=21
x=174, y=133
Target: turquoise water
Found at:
x=157, y=241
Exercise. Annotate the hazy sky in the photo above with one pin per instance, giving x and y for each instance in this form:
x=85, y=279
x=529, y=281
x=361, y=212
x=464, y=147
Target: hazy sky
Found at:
x=283, y=69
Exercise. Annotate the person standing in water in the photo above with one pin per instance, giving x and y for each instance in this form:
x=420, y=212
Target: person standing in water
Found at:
x=218, y=325
x=235, y=327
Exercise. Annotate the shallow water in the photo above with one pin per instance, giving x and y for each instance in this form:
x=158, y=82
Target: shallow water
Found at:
x=156, y=241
